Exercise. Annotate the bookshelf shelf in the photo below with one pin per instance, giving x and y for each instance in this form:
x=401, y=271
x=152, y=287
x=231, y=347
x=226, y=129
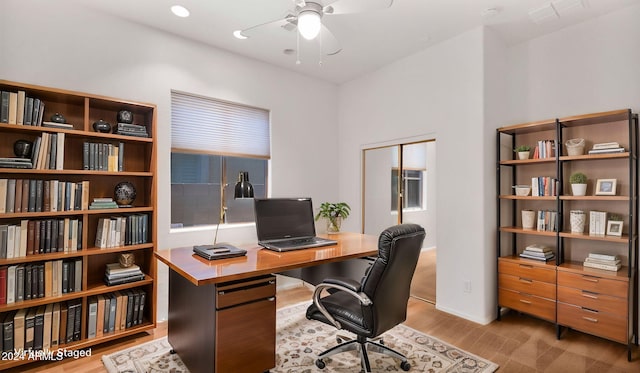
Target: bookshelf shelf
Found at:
x=136, y=158
x=574, y=253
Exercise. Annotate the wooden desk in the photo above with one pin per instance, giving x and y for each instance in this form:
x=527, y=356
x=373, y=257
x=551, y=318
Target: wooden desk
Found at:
x=222, y=312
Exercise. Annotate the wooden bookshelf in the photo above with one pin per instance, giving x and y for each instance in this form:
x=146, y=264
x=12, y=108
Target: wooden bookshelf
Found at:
x=139, y=167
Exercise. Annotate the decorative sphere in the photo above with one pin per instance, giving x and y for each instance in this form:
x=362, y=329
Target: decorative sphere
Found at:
x=126, y=260
x=101, y=126
x=22, y=148
x=125, y=116
x=124, y=194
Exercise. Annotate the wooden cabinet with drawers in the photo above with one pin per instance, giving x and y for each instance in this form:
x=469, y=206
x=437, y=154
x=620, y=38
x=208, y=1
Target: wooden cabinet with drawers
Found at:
x=527, y=286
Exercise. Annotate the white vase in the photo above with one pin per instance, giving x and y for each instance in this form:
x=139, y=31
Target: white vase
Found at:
x=528, y=219
x=579, y=189
x=523, y=155
x=577, y=218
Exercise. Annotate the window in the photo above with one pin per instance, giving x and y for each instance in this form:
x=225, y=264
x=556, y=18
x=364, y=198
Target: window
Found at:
x=412, y=184
x=212, y=141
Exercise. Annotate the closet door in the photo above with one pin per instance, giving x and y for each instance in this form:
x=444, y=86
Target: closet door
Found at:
x=380, y=168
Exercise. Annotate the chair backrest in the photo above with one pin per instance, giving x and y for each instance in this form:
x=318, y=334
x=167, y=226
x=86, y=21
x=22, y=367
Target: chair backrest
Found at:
x=388, y=281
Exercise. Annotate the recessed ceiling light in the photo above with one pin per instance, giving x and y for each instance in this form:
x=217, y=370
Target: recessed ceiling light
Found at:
x=180, y=11
x=238, y=34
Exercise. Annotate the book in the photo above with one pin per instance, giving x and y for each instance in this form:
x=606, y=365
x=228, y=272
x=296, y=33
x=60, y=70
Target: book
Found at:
x=55, y=326
x=57, y=125
x=603, y=256
x=606, y=145
x=3, y=285
x=116, y=268
x=92, y=317
x=7, y=331
x=18, y=329
x=64, y=316
x=20, y=108
x=603, y=266
x=100, y=299
x=29, y=325
x=123, y=280
x=38, y=329
x=606, y=151
x=602, y=261
x=48, y=324
x=4, y=107
x=13, y=108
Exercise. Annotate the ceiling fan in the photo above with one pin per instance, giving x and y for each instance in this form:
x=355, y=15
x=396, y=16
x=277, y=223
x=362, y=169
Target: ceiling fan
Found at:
x=306, y=19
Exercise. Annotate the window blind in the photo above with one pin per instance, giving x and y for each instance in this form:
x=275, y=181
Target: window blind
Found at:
x=210, y=126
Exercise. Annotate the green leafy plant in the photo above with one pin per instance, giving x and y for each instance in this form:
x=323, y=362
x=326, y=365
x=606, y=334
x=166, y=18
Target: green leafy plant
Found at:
x=615, y=217
x=333, y=212
x=522, y=148
x=578, y=178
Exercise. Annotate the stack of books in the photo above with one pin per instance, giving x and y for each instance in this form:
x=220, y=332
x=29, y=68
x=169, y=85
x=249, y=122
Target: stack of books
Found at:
x=537, y=252
x=606, y=147
x=131, y=130
x=11, y=162
x=115, y=274
x=603, y=261
x=103, y=203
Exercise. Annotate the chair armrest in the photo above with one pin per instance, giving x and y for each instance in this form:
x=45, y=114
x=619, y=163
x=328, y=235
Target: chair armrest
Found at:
x=351, y=287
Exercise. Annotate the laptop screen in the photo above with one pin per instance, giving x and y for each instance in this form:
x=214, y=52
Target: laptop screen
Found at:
x=280, y=218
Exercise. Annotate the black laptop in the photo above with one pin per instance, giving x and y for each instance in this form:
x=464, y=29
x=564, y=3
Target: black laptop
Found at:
x=285, y=224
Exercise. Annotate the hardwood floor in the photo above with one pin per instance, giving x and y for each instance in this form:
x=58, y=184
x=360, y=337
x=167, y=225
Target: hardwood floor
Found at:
x=518, y=343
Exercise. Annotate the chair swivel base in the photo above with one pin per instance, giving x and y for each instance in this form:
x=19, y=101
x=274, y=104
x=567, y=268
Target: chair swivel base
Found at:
x=363, y=345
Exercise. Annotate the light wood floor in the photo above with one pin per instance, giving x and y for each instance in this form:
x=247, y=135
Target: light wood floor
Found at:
x=518, y=343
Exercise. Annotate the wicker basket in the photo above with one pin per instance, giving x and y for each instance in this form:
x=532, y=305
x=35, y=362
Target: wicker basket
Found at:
x=575, y=146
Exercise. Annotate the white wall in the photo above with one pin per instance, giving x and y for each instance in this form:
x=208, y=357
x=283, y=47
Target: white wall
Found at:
x=437, y=94
x=66, y=46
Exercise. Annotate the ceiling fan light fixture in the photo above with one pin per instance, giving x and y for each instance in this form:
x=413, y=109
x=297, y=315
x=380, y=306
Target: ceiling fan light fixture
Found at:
x=309, y=24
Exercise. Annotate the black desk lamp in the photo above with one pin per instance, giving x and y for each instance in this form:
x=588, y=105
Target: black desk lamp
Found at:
x=243, y=190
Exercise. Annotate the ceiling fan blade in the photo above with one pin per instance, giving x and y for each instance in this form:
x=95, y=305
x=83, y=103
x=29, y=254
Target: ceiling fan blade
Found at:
x=355, y=6
x=330, y=45
x=280, y=22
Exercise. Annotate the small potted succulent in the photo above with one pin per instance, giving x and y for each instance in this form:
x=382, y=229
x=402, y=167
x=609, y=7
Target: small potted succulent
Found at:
x=334, y=213
x=578, y=182
x=523, y=151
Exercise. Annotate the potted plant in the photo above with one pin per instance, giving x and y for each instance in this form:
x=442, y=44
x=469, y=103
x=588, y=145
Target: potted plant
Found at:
x=578, y=182
x=334, y=213
x=523, y=151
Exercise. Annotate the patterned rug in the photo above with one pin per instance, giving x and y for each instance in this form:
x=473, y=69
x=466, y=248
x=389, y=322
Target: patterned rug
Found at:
x=299, y=340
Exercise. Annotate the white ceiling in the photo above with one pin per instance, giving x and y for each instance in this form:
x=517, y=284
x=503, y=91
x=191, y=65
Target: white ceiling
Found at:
x=369, y=40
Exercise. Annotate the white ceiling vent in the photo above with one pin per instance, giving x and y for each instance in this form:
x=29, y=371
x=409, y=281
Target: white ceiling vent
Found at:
x=553, y=10
x=546, y=13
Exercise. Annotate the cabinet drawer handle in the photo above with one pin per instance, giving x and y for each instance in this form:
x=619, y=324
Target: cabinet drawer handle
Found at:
x=526, y=266
x=590, y=319
x=271, y=299
x=590, y=278
x=271, y=282
x=528, y=281
x=525, y=301
x=588, y=294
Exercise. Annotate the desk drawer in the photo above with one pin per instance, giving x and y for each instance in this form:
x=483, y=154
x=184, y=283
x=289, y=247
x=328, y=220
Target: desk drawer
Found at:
x=532, y=271
x=593, y=284
x=594, y=301
x=234, y=293
x=540, y=307
x=593, y=322
x=525, y=285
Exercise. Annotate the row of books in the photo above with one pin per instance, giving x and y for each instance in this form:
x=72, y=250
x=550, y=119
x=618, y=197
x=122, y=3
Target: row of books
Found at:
x=44, y=327
x=606, y=147
x=115, y=311
x=127, y=129
x=115, y=274
x=545, y=149
x=603, y=261
x=103, y=156
x=34, y=195
x=17, y=108
x=48, y=152
x=537, y=252
x=547, y=220
x=122, y=230
x=597, y=223
x=544, y=186
x=33, y=237
x=39, y=280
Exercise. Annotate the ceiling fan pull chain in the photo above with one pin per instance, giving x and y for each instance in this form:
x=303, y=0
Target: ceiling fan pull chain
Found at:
x=320, y=57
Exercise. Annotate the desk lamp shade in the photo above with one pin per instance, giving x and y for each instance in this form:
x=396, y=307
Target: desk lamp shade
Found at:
x=244, y=189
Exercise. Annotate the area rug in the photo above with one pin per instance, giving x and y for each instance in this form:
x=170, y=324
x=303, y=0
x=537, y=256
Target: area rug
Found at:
x=298, y=342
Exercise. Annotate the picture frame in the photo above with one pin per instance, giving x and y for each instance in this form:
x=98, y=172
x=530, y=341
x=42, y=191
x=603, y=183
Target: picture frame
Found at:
x=606, y=187
x=614, y=228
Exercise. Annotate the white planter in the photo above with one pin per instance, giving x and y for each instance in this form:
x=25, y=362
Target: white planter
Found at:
x=528, y=219
x=579, y=189
x=523, y=155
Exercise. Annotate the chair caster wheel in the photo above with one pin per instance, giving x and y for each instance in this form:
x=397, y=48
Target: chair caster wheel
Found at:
x=339, y=340
x=381, y=342
x=405, y=366
x=320, y=364
x=172, y=351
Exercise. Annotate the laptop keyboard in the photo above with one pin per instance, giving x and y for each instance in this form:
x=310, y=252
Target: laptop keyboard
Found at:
x=297, y=243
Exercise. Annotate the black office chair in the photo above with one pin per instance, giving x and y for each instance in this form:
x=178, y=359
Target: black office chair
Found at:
x=377, y=303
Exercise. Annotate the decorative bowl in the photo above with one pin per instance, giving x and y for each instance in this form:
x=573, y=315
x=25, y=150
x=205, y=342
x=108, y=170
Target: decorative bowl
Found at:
x=22, y=148
x=522, y=190
x=124, y=194
x=102, y=126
